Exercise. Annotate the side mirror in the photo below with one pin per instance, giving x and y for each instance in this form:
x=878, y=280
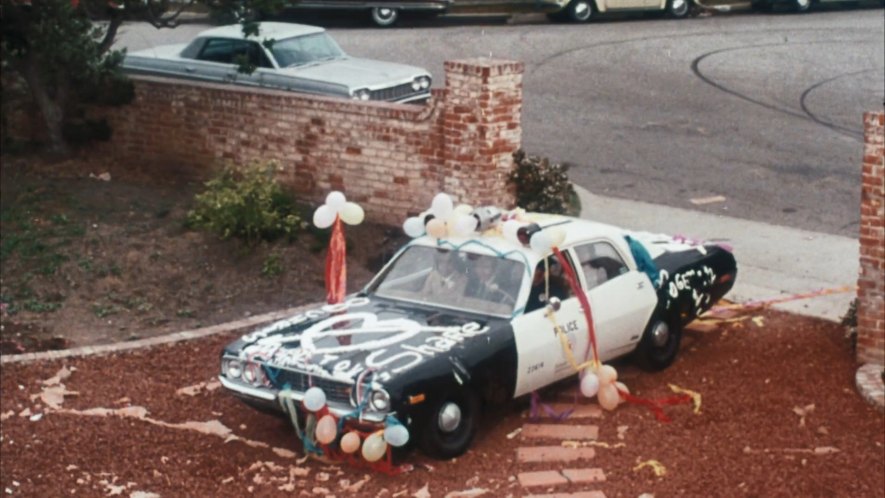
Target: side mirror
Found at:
x=553, y=304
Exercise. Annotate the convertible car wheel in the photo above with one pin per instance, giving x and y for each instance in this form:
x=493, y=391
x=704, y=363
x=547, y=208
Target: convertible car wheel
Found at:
x=384, y=16
x=659, y=344
x=580, y=10
x=801, y=5
x=678, y=8
x=451, y=424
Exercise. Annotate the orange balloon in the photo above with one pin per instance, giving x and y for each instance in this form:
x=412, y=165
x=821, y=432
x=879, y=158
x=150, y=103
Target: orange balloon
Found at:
x=350, y=442
x=326, y=429
x=436, y=228
x=608, y=397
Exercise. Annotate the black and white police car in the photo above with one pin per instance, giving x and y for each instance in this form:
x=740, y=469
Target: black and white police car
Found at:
x=452, y=324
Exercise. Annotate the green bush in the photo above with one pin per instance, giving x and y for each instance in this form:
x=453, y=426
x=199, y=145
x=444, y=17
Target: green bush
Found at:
x=541, y=186
x=248, y=203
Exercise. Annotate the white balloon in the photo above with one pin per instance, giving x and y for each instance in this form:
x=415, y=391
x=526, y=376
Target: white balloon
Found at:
x=413, y=227
x=396, y=435
x=557, y=236
x=464, y=225
x=442, y=206
x=540, y=242
x=374, y=447
x=463, y=209
x=314, y=399
x=352, y=213
x=324, y=216
x=335, y=200
x=590, y=385
x=509, y=230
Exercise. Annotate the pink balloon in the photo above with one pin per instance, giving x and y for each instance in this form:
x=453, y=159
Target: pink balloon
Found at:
x=607, y=374
x=436, y=228
x=327, y=429
x=608, y=397
x=350, y=442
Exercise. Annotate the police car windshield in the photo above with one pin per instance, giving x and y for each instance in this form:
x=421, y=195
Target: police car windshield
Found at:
x=478, y=283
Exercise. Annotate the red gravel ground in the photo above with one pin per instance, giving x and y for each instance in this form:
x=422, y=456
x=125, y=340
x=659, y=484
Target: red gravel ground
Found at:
x=779, y=417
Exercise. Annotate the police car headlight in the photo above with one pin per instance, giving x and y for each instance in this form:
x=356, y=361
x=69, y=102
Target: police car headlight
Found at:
x=232, y=368
x=379, y=400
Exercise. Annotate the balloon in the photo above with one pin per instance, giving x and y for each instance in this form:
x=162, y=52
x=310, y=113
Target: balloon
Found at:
x=352, y=213
x=608, y=397
x=413, y=227
x=327, y=429
x=541, y=242
x=396, y=435
x=509, y=230
x=442, y=207
x=335, y=200
x=374, y=447
x=557, y=236
x=607, y=374
x=436, y=228
x=314, y=399
x=463, y=209
x=350, y=442
x=622, y=388
x=464, y=225
x=324, y=216
x=590, y=385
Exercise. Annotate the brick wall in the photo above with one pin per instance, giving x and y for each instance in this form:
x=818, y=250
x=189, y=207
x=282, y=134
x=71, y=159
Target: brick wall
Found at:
x=871, y=282
x=390, y=158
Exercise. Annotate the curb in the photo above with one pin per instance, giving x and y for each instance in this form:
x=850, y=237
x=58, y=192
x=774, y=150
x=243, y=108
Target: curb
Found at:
x=174, y=337
x=870, y=384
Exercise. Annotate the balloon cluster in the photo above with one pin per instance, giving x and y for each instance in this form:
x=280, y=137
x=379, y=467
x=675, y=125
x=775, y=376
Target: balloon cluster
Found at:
x=337, y=206
x=603, y=383
x=375, y=445
x=531, y=234
x=442, y=220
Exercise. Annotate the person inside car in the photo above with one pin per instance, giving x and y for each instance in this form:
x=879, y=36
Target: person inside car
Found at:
x=554, y=285
x=446, y=278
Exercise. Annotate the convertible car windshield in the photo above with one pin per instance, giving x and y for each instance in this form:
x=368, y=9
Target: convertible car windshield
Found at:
x=453, y=279
x=302, y=50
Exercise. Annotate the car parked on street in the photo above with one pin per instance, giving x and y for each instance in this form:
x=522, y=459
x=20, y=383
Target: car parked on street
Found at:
x=585, y=10
x=294, y=57
x=806, y=5
x=451, y=325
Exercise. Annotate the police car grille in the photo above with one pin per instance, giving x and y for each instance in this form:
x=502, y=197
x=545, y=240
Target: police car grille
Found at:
x=301, y=382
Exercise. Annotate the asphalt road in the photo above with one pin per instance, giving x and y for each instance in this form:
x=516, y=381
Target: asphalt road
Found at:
x=762, y=109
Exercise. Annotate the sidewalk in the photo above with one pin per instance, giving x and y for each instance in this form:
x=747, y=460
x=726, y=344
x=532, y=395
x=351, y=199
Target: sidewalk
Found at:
x=773, y=261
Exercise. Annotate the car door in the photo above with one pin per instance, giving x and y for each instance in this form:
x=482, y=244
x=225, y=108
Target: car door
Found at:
x=622, y=298
x=624, y=4
x=541, y=359
x=221, y=58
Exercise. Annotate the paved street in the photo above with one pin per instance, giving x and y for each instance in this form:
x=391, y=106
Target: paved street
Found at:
x=763, y=109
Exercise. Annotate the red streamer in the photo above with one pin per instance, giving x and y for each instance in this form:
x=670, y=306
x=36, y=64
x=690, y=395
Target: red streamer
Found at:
x=585, y=303
x=336, y=267
x=656, y=405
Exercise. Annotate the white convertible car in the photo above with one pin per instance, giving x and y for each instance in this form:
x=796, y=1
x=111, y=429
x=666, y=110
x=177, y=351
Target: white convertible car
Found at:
x=452, y=324
x=299, y=58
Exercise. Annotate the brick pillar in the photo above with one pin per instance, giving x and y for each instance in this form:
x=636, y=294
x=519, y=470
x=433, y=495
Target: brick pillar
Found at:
x=871, y=282
x=481, y=130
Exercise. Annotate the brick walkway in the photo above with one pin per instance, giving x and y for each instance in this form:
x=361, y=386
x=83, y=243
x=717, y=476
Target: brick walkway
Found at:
x=550, y=470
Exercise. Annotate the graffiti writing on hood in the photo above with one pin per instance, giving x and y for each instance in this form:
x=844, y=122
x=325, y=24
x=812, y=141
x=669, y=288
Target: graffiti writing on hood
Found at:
x=322, y=348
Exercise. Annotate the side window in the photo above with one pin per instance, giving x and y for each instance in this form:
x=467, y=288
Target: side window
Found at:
x=600, y=263
x=228, y=51
x=555, y=284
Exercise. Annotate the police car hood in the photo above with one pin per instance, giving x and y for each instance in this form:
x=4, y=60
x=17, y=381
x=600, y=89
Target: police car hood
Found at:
x=385, y=338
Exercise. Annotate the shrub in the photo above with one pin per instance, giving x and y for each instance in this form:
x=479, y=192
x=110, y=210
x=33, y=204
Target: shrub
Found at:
x=541, y=186
x=248, y=203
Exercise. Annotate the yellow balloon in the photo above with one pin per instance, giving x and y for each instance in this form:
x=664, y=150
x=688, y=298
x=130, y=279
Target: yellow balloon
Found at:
x=350, y=442
x=352, y=214
x=607, y=374
x=608, y=397
x=374, y=447
x=326, y=429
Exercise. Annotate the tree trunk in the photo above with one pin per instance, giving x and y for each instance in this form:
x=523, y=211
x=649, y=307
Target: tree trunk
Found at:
x=51, y=109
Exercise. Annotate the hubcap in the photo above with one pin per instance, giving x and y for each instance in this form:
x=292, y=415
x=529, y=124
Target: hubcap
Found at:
x=449, y=417
x=803, y=3
x=660, y=334
x=678, y=5
x=385, y=13
x=582, y=10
